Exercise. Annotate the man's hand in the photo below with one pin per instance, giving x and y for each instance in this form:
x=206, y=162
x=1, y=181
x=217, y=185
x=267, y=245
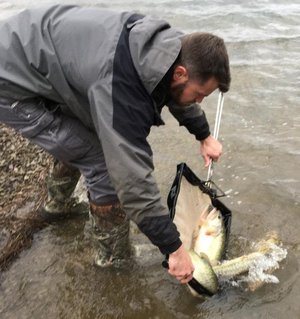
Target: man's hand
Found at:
x=180, y=265
x=210, y=149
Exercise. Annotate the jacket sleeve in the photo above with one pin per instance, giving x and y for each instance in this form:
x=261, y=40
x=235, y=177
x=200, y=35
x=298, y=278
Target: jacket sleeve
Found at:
x=193, y=118
x=130, y=167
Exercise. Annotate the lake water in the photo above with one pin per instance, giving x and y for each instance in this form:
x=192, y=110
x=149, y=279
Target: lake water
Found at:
x=260, y=132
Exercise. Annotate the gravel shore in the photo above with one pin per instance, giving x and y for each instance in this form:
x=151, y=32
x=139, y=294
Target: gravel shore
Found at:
x=23, y=168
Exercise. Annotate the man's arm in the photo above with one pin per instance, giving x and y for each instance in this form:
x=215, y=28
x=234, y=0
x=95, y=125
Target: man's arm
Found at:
x=194, y=119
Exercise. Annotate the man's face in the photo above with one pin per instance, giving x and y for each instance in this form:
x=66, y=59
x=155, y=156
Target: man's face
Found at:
x=185, y=91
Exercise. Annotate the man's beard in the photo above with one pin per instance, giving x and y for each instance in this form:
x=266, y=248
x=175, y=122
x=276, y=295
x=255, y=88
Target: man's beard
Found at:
x=176, y=93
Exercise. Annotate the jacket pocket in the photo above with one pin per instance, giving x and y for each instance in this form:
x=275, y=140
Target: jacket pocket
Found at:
x=73, y=140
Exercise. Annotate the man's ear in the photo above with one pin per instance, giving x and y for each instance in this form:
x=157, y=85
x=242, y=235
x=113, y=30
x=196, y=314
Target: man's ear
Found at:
x=180, y=74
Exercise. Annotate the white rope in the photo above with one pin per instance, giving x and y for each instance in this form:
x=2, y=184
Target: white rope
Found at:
x=216, y=130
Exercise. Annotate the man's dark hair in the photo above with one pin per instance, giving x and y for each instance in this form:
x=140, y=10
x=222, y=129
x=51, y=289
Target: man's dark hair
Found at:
x=204, y=55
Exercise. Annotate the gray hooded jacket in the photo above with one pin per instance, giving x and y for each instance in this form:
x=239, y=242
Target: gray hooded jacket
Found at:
x=103, y=66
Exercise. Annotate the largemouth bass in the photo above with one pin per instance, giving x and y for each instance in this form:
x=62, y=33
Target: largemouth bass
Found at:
x=209, y=235
x=203, y=273
x=267, y=254
x=231, y=268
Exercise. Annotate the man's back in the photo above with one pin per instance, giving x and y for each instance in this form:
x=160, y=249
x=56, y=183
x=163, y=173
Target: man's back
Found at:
x=57, y=52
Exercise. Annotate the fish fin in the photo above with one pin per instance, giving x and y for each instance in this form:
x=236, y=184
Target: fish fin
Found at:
x=203, y=216
x=195, y=235
x=255, y=285
x=214, y=262
x=203, y=255
x=211, y=231
x=212, y=214
x=267, y=244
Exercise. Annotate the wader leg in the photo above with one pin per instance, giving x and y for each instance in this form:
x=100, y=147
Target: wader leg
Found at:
x=60, y=185
x=111, y=233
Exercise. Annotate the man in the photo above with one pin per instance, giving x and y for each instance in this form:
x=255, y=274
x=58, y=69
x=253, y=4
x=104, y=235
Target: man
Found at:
x=87, y=84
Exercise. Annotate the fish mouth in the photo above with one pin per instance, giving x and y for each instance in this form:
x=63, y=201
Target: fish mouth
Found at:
x=200, y=289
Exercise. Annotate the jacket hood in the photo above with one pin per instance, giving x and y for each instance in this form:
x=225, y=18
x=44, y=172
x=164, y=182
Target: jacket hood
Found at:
x=154, y=47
